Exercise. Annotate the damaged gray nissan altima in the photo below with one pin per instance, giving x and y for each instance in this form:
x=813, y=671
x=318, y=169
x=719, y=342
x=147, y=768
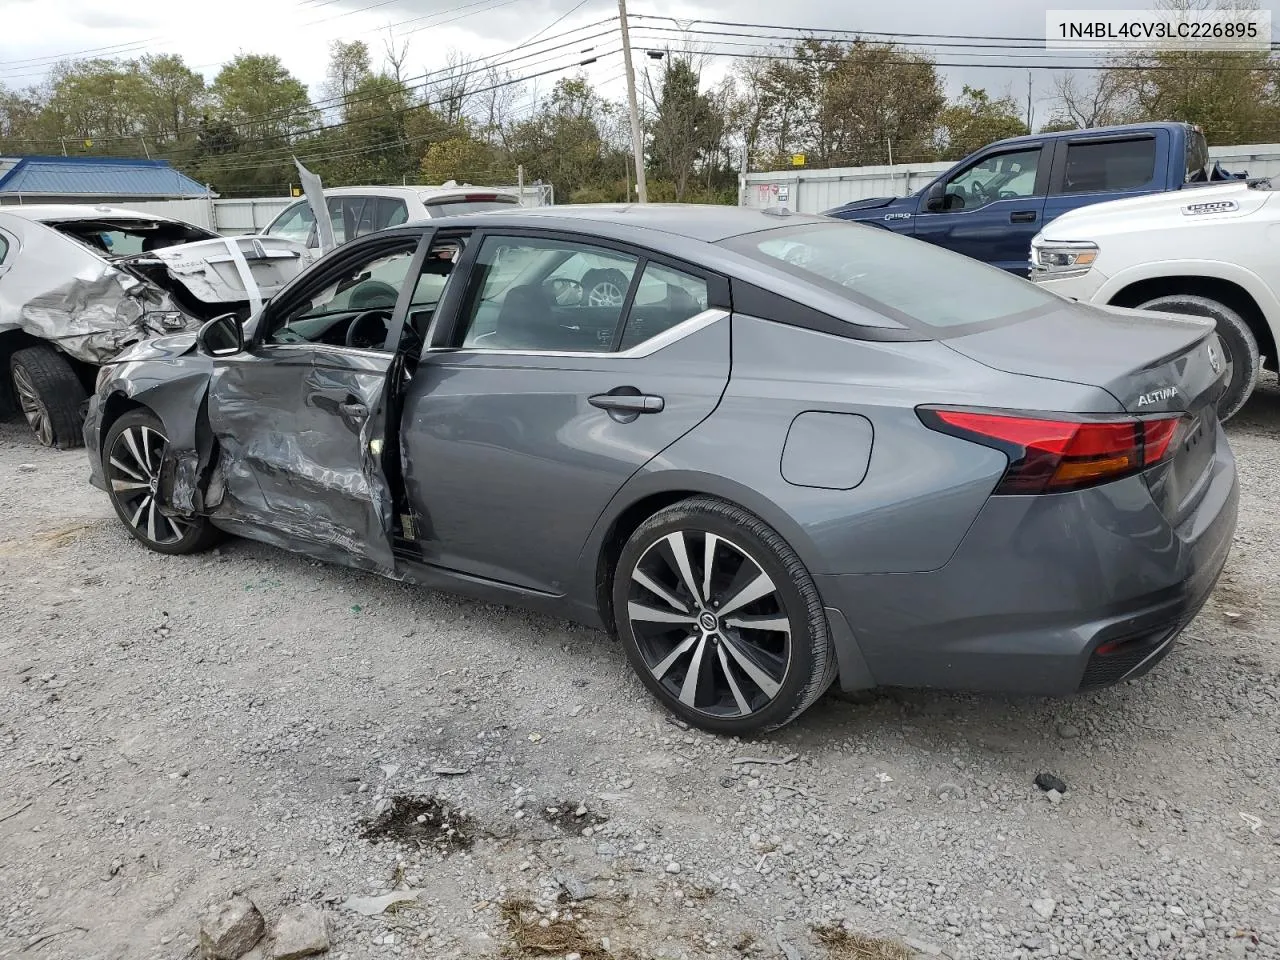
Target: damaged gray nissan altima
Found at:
x=78, y=284
x=764, y=450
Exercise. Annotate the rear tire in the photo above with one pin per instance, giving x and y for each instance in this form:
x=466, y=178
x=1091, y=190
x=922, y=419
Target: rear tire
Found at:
x=131, y=458
x=1237, y=339
x=50, y=396
x=750, y=630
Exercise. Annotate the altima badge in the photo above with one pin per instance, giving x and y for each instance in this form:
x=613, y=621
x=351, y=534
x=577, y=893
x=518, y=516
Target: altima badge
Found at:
x=1215, y=362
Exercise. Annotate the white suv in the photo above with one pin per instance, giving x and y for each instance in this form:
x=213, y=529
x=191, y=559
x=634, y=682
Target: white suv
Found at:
x=355, y=211
x=1213, y=251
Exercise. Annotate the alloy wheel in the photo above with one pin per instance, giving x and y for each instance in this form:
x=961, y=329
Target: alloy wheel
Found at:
x=710, y=624
x=33, y=407
x=133, y=470
x=606, y=294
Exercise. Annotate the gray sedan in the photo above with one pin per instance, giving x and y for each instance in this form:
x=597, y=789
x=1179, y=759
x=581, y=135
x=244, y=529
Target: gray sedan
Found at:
x=767, y=451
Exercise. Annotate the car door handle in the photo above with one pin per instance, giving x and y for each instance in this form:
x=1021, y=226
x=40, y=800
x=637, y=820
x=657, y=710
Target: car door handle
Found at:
x=353, y=410
x=1022, y=216
x=628, y=402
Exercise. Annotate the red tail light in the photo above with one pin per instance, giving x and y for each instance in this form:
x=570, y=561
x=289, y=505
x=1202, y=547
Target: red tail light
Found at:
x=1053, y=455
x=473, y=197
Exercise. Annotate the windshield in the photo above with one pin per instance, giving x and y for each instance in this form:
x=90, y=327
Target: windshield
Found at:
x=899, y=277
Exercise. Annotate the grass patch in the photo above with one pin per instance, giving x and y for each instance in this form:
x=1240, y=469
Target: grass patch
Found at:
x=840, y=944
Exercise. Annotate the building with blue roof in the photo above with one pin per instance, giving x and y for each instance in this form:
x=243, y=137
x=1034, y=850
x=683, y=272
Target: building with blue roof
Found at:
x=93, y=180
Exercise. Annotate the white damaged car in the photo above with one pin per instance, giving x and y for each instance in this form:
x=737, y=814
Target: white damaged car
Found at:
x=78, y=284
x=1213, y=252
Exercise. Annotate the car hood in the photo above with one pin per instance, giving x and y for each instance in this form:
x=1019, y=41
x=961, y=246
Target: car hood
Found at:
x=869, y=203
x=1211, y=203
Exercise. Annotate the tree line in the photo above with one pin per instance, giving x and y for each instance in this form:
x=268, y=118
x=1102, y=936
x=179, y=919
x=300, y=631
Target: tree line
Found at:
x=838, y=102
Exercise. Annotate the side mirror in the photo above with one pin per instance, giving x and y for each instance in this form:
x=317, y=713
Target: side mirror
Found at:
x=221, y=337
x=936, y=198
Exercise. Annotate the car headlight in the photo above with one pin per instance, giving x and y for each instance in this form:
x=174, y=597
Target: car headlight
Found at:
x=1054, y=260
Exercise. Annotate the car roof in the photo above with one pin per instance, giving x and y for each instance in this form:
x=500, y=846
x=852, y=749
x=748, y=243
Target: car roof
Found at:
x=1091, y=132
x=707, y=223
x=412, y=190
x=47, y=212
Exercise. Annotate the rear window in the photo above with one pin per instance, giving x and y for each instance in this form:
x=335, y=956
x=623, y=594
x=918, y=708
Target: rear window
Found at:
x=1109, y=165
x=452, y=208
x=1197, y=157
x=904, y=279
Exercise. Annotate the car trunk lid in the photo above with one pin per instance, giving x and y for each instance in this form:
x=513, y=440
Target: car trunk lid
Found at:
x=209, y=271
x=1153, y=364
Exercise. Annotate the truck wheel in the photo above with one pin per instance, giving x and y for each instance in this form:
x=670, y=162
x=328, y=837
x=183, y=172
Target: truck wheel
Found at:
x=50, y=396
x=1241, y=346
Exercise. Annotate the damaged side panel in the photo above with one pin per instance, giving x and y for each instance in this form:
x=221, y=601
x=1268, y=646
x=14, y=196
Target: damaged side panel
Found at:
x=300, y=438
x=92, y=308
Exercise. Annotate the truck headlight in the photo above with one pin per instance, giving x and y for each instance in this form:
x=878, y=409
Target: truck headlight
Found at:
x=1054, y=260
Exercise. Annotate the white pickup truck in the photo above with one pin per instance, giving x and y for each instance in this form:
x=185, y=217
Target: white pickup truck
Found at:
x=1213, y=252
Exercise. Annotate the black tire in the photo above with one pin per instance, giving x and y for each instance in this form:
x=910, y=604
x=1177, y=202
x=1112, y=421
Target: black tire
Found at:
x=797, y=663
x=49, y=395
x=131, y=456
x=1238, y=341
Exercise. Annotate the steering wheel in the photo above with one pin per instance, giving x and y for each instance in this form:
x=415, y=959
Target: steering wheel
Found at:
x=358, y=336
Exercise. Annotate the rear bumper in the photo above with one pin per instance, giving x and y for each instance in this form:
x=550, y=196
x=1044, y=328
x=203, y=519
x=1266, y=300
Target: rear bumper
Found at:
x=1046, y=595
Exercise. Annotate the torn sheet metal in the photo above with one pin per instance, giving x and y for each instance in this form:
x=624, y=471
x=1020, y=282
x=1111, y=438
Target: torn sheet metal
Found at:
x=314, y=190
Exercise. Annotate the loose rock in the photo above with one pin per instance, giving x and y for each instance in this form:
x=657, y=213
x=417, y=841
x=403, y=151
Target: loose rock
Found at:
x=1047, y=782
x=301, y=931
x=1044, y=907
x=230, y=929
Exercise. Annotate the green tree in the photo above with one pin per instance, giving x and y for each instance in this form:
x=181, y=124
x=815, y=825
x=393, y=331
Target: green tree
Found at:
x=173, y=98
x=563, y=143
x=465, y=159
x=266, y=109
x=975, y=120
x=681, y=129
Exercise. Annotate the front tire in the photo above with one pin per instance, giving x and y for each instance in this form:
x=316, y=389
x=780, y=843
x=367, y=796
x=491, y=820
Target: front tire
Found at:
x=1238, y=341
x=131, y=458
x=49, y=395
x=720, y=618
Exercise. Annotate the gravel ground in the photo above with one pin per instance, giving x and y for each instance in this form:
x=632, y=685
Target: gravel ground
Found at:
x=174, y=731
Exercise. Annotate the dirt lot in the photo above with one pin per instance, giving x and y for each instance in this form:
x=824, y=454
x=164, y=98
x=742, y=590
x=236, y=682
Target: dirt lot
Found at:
x=173, y=731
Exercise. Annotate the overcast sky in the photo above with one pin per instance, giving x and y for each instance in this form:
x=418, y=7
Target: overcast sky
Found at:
x=38, y=32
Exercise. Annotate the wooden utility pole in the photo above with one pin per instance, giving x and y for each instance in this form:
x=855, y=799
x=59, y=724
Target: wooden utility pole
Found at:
x=637, y=136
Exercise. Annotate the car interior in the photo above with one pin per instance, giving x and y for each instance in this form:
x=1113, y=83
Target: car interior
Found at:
x=356, y=310
x=124, y=237
x=571, y=300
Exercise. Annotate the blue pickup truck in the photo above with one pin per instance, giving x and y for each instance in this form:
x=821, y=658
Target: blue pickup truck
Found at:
x=990, y=204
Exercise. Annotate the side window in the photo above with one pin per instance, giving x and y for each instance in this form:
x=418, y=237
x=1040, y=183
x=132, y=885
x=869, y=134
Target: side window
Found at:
x=1004, y=176
x=392, y=212
x=428, y=289
x=664, y=298
x=351, y=310
x=545, y=295
x=342, y=212
x=294, y=224
x=1110, y=165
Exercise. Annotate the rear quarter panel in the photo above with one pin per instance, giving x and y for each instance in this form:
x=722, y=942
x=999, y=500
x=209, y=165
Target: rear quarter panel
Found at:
x=921, y=490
